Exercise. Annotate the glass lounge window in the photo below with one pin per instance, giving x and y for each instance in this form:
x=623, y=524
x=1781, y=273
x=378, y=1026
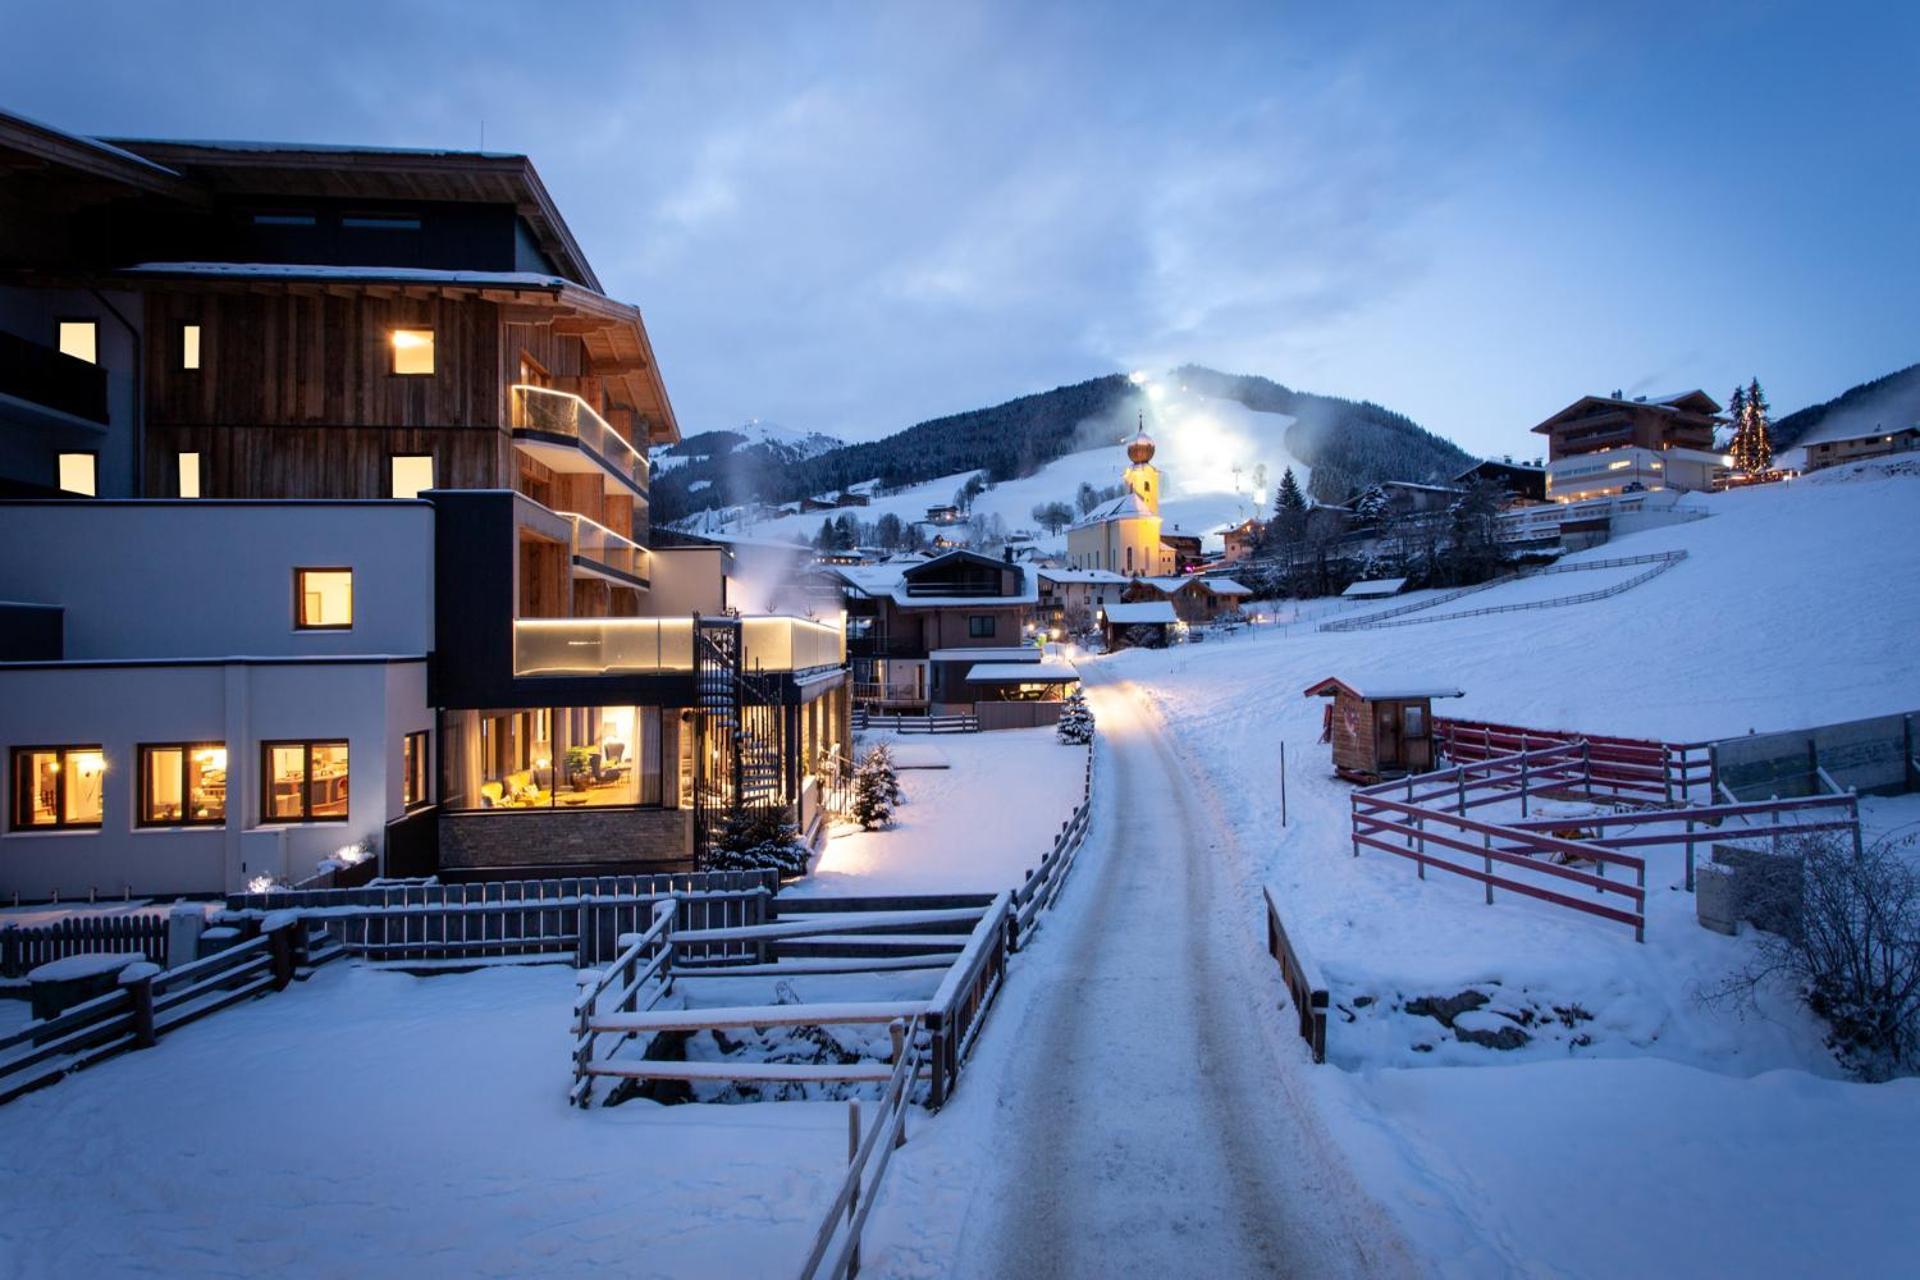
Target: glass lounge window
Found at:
x=380, y=222
x=980, y=625
x=80, y=339
x=58, y=787
x=323, y=599
x=284, y=220
x=303, y=781
x=183, y=784
x=413, y=787
x=189, y=466
x=412, y=474
x=77, y=474
x=189, y=346
x=412, y=351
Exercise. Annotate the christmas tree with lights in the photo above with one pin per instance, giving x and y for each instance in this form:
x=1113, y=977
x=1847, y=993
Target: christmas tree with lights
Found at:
x=1752, y=447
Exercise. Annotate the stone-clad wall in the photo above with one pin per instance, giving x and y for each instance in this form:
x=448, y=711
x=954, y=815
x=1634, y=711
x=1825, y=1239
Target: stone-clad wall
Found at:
x=566, y=837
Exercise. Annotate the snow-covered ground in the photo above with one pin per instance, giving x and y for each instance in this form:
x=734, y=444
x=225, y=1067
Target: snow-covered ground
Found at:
x=1201, y=441
x=1575, y=1154
x=368, y=1123
x=977, y=825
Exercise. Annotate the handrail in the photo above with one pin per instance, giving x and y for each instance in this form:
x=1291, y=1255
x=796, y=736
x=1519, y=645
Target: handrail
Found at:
x=856, y=1196
x=556, y=412
x=632, y=975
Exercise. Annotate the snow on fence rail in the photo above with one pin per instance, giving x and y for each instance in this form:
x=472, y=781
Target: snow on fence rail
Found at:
x=27, y=947
x=1634, y=767
x=1660, y=562
x=846, y=1215
x=1042, y=884
x=1424, y=818
x=151, y=1002
x=1305, y=983
x=864, y=720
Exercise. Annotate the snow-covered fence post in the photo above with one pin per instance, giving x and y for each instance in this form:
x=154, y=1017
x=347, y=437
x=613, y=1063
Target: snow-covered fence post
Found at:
x=1420, y=824
x=897, y=1032
x=1524, y=780
x=853, y=1187
x=137, y=982
x=1666, y=779
x=1689, y=855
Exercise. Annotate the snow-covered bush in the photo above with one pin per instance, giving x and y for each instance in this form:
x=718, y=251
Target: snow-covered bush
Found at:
x=1076, y=720
x=876, y=789
x=1850, y=943
x=757, y=840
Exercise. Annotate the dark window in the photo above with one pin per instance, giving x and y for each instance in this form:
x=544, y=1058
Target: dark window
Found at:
x=283, y=220
x=414, y=792
x=58, y=787
x=303, y=781
x=980, y=625
x=381, y=222
x=183, y=784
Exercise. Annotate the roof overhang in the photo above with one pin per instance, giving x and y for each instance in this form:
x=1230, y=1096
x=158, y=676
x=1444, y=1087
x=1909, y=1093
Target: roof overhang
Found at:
x=1332, y=685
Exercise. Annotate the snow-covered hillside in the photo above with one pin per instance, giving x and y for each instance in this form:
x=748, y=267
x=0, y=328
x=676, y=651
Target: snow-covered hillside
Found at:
x=790, y=444
x=1210, y=450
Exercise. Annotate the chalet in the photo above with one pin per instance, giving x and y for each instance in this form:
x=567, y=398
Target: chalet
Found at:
x=1828, y=447
x=943, y=514
x=1124, y=534
x=1380, y=732
x=1521, y=482
x=914, y=630
x=1146, y=624
x=1070, y=599
x=1196, y=600
x=334, y=473
x=1603, y=445
x=1185, y=548
x=1241, y=540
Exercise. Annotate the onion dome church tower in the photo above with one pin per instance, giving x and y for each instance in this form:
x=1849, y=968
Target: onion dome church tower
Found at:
x=1142, y=477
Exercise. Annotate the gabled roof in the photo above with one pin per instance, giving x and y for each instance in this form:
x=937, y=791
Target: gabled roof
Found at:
x=1374, y=587
x=27, y=146
x=958, y=554
x=1379, y=693
x=1091, y=577
x=1126, y=506
x=1849, y=427
x=1695, y=401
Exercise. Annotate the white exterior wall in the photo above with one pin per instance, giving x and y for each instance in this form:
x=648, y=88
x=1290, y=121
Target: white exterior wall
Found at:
x=372, y=705
x=189, y=579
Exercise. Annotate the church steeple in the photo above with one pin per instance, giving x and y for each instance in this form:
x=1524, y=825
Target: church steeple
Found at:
x=1143, y=477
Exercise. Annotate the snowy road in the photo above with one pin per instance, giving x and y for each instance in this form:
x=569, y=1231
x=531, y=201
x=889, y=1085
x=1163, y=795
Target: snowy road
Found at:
x=1151, y=1119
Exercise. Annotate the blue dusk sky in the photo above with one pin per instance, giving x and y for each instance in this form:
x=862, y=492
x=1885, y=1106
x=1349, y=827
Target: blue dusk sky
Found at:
x=852, y=217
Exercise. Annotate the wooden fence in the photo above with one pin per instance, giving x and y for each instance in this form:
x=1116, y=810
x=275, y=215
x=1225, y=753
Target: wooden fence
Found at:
x=956, y=723
x=146, y=1006
x=1425, y=819
x=1305, y=983
x=1640, y=768
x=846, y=1216
x=23, y=948
x=1037, y=892
x=1659, y=562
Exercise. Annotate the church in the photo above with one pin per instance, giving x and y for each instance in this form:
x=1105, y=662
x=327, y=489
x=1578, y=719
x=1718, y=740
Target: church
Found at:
x=1122, y=535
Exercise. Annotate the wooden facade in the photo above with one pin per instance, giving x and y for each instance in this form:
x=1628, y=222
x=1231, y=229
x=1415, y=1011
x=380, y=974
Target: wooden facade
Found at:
x=1378, y=734
x=1593, y=424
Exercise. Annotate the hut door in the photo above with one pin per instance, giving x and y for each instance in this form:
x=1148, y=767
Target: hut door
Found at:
x=1387, y=746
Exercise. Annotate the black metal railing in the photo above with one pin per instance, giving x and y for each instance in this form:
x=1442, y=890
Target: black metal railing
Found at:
x=51, y=378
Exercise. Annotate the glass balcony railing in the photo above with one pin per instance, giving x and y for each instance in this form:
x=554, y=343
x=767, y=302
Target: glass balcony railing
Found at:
x=563, y=415
x=663, y=646
x=600, y=547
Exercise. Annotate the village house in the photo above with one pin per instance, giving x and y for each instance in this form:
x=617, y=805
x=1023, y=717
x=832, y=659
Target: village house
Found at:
x=329, y=530
x=1241, y=540
x=1072, y=598
x=1196, y=600
x=1521, y=482
x=1600, y=446
x=1828, y=447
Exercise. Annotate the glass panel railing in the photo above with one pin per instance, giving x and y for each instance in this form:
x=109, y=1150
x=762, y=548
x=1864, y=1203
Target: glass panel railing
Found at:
x=598, y=545
x=641, y=646
x=561, y=413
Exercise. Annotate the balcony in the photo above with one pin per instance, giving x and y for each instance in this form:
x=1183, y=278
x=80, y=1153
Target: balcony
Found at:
x=600, y=551
x=48, y=379
x=663, y=646
x=561, y=431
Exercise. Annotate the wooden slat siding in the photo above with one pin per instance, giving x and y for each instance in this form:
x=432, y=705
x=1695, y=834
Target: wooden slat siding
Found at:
x=24, y=949
x=1305, y=983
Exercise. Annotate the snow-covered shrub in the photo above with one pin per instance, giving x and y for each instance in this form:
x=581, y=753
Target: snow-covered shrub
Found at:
x=876, y=789
x=757, y=840
x=1075, y=727
x=1851, y=945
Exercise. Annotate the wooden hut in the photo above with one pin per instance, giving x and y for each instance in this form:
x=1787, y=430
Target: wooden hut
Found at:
x=1379, y=732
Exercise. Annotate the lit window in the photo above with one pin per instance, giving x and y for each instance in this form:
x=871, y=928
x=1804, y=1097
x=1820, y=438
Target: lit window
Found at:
x=183, y=785
x=303, y=781
x=189, y=474
x=413, y=788
x=413, y=351
x=81, y=340
x=189, y=346
x=323, y=599
x=412, y=474
x=56, y=787
x=77, y=474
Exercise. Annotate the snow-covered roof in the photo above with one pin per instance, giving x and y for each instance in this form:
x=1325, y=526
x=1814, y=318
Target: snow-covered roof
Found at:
x=1842, y=426
x=1146, y=611
x=1021, y=673
x=1127, y=506
x=1228, y=587
x=1087, y=576
x=1028, y=654
x=1375, y=587
x=889, y=581
x=1382, y=692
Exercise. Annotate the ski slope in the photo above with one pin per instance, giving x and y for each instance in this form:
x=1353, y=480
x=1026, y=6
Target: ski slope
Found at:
x=1200, y=442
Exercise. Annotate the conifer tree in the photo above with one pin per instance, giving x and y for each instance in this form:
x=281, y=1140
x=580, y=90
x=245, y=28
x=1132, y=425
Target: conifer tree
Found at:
x=1736, y=414
x=1759, y=432
x=1076, y=720
x=875, y=784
